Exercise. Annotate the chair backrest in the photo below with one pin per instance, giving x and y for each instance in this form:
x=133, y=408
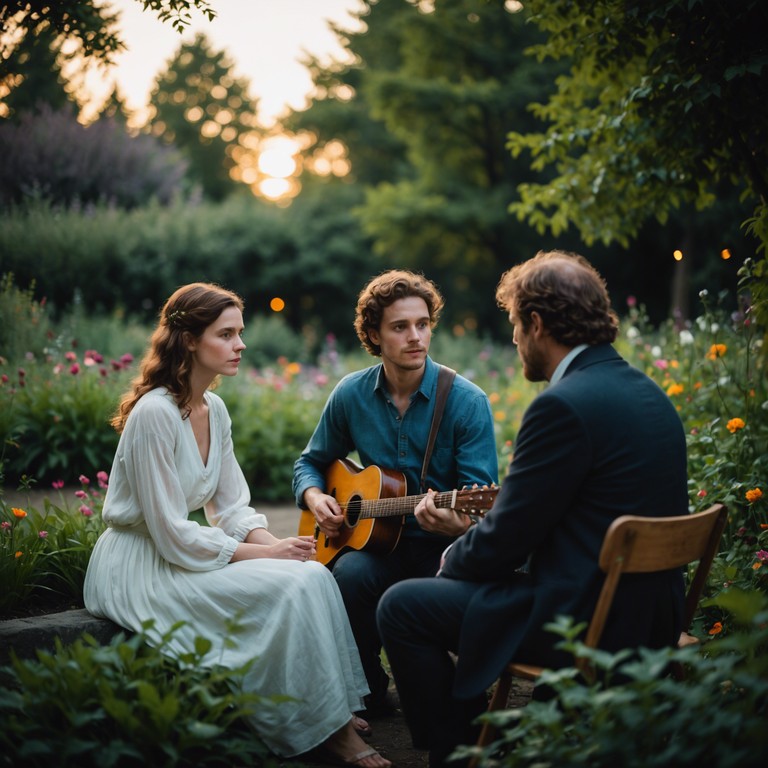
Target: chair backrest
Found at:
x=636, y=544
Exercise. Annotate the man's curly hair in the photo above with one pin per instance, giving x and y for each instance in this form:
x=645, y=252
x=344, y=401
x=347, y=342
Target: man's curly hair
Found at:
x=386, y=289
x=567, y=292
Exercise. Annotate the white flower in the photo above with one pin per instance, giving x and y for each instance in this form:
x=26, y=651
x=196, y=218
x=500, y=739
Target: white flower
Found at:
x=632, y=332
x=686, y=338
x=656, y=351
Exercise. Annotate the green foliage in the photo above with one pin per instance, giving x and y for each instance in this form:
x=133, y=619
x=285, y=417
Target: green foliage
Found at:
x=126, y=704
x=44, y=555
x=124, y=264
x=55, y=417
x=199, y=106
x=22, y=567
x=24, y=324
x=715, y=716
x=664, y=101
x=88, y=27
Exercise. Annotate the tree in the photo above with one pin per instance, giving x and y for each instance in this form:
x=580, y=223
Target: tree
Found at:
x=34, y=33
x=665, y=102
x=201, y=107
x=422, y=103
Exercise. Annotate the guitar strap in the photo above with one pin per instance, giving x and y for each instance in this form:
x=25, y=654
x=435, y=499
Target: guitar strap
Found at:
x=445, y=379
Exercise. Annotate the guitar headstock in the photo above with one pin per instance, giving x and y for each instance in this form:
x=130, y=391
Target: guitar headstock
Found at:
x=475, y=501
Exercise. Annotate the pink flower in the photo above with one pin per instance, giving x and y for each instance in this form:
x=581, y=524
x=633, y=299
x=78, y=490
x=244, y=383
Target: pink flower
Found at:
x=22, y=373
x=81, y=494
x=4, y=378
x=75, y=369
x=702, y=493
x=126, y=359
x=661, y=364
x=58, y=368
x=71, y=356
x=84, y=480
x=86, y=510
x=5, y=525
x=631, y=301
x=103, y=479
x=43, y=534
x=762, y=555
x=57, y=484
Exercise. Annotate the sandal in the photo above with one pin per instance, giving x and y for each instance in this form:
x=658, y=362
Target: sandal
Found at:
x=325, y=755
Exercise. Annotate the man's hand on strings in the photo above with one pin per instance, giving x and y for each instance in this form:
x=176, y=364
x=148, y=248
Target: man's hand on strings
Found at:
x=326, y=510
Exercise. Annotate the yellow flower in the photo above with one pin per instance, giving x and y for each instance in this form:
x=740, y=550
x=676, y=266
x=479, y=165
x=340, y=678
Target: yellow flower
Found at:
x=753, y=495
x=675, y=389
x=716, y=350
x=18, y=512
x=734, y=425
x=499, y=415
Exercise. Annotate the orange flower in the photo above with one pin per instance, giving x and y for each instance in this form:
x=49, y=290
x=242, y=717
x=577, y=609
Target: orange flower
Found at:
x=18, y=554
x=675, y=389
x=716, y=350
x=753, y=495
x=18, y=512
x=734, y=425
x=717, y=628
x=757, y=565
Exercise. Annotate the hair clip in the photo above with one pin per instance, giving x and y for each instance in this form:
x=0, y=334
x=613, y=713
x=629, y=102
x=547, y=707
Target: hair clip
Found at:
x=175, y=317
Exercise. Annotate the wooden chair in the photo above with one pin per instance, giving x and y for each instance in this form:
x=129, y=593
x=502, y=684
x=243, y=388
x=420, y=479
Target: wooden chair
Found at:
x=635, y=544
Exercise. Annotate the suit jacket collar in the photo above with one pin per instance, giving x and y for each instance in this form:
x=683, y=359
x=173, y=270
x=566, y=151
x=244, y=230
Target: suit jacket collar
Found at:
x=597, y=353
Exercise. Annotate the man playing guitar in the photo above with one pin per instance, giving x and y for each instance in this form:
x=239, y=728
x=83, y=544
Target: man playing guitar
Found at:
x=384, y=414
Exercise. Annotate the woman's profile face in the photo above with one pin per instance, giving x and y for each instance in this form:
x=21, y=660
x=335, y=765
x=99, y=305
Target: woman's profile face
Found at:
x=219, y=350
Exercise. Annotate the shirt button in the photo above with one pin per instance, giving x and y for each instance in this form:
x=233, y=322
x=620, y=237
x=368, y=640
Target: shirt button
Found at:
x=402, y=453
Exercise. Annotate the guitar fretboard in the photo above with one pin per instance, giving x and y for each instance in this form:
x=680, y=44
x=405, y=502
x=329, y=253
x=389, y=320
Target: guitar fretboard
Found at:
x=399, y=505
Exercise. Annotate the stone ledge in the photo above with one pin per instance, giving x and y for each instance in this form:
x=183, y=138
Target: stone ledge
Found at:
x=26, y=635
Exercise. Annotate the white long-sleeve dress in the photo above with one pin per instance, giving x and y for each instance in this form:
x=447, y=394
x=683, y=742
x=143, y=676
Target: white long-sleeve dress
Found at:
x=152, y=562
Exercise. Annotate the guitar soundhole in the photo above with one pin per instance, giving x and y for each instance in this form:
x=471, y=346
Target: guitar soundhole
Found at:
x=354, y=506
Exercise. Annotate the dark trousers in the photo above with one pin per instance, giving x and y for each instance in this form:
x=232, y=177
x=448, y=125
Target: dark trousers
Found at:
x=363, y=577
x=420, y=621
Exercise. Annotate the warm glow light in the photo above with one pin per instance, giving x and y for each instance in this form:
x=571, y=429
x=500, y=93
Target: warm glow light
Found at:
x=276, y=162
x=273, y=189
x=678, y=255
x=725, y=254
x=277, y=304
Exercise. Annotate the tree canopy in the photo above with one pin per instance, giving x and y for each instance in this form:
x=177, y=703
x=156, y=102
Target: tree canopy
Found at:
x=664, y=100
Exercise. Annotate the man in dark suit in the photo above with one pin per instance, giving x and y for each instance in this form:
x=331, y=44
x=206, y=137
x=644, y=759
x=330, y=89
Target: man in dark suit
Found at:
x=602, y=440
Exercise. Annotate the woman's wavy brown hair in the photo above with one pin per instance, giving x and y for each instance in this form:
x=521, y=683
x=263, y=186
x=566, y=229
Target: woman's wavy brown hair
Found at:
x=386, y=289
x=168, y=361
x=568, y=293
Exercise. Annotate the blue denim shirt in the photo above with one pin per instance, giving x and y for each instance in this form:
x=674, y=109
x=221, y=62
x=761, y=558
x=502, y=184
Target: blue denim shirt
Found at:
x=360, y=416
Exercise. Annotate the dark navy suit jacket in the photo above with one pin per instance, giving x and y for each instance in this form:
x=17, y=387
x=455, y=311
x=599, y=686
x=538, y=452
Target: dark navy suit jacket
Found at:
x=602, y=442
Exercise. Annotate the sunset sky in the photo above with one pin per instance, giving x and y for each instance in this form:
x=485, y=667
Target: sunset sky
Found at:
x=264, y=38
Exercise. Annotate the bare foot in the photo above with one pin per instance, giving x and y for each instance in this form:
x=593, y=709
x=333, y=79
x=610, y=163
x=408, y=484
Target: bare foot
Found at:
x=347, y=746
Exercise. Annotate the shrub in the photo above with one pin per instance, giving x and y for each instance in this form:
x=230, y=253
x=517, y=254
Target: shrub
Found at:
x=716, y=716
x=126, y=704
x=47, y=154
x=44, y=555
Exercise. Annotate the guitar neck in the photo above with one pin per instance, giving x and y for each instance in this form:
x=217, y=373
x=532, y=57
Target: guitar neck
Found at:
x=402, y=505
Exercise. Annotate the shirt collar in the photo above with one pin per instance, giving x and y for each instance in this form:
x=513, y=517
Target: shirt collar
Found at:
x=565, y=362
x=427, y=380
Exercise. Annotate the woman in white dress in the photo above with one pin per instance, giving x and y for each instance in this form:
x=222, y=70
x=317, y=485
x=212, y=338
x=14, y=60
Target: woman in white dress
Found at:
x=175, y=455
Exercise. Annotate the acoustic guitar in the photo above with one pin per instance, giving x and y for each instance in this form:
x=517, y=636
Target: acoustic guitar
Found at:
x=374, y=504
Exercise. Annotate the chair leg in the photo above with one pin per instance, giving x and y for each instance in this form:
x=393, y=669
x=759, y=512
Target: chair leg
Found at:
x=498, y=701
